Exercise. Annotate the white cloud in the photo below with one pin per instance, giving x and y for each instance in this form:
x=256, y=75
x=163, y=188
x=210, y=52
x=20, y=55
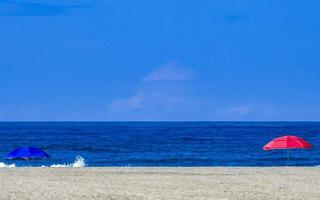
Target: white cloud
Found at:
x=149, y=98
x=167, y=94
x=164, y=97
x=171, y=71
x=134, y=102
x=241, y=110
x=249, y=112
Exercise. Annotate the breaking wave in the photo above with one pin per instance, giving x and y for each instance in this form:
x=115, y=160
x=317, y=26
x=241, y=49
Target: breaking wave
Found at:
x=5, y=165
x=79, y=162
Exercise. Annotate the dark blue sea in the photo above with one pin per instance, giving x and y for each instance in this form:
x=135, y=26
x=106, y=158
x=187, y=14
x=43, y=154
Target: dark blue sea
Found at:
x=160, y=143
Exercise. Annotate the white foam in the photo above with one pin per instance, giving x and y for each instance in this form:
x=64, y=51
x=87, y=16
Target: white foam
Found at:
x=5, y=165
x=60, y=165
x=79, y=162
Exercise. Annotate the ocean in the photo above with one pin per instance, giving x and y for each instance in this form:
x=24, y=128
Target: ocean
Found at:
x=183, y=144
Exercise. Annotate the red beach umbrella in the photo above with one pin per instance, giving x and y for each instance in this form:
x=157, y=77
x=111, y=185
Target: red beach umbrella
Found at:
x=287, y=142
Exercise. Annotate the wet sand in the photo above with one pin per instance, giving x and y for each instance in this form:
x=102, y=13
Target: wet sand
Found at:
x=160, y=183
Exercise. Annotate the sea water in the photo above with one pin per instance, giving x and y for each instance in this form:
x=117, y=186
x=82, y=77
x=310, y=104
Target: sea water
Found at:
x=158, y=143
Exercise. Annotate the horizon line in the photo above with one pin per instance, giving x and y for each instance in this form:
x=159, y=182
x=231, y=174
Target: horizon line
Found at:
x=133, y=121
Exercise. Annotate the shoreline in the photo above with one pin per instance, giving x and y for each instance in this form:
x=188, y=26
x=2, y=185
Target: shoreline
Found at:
x=174, y=183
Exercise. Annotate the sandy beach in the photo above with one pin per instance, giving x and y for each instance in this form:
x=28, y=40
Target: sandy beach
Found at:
x=160, y=183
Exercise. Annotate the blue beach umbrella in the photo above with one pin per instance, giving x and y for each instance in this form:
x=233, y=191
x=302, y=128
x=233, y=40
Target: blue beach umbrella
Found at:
x=27, y=153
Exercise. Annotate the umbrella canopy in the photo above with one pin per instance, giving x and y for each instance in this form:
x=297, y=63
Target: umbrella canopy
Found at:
x=287, y=142
x=27, y=153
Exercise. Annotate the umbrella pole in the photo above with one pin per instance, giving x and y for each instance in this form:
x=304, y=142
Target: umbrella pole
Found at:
x=288, y=160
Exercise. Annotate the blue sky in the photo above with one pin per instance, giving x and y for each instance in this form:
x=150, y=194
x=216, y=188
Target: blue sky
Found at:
x=159, y=60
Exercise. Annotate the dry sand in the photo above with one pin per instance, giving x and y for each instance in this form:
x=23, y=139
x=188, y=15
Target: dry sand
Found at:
x=160, y=183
